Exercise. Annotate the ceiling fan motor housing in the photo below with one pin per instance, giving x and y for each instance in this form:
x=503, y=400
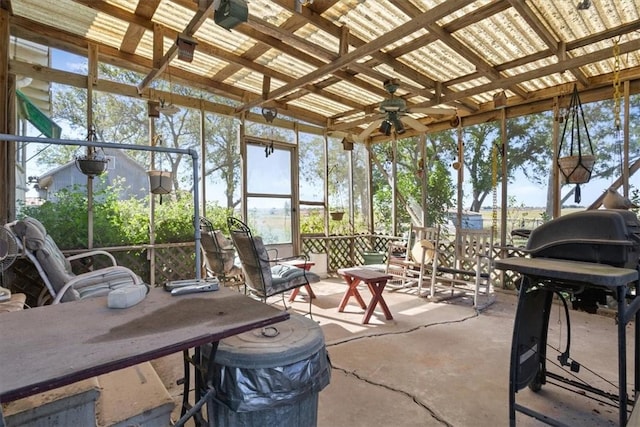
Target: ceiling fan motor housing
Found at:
x=393, y=104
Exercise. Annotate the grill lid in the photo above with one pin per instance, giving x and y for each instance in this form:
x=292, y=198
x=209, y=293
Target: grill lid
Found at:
x=608, y=236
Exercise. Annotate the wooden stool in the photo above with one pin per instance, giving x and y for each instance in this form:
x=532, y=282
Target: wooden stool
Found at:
x=375, y=281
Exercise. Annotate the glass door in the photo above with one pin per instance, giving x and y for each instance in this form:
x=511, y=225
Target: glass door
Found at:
x=270, y=199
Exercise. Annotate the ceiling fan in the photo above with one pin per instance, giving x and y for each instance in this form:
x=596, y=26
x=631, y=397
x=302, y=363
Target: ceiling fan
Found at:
x=394, y=114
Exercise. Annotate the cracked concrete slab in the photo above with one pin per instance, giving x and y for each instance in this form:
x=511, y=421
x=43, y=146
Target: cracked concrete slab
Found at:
x=441, y=364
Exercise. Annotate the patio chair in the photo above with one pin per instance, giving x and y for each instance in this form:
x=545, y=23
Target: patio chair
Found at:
x=471, y=268
x=61, y=283
x=218, y=255
x=266, y=277
x=419, y=257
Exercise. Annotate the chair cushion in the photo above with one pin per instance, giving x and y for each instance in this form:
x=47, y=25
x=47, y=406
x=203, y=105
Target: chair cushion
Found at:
x=287, y=277
x=51, y=259
x=226, y=248
x=255, y=262
x=57, y=268
x=31, y=232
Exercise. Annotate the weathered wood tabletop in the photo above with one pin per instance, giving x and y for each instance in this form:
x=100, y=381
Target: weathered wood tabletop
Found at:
x=47, y=347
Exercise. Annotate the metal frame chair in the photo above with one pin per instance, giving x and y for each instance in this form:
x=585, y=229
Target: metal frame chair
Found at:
x=218, y=256
x=264, y=276
x=61, y=283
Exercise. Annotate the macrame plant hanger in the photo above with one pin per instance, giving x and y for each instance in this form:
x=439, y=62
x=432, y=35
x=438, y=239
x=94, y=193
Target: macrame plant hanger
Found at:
x=574, y=164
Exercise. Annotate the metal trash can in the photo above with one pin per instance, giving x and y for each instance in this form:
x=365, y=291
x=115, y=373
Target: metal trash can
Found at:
x=271, y=376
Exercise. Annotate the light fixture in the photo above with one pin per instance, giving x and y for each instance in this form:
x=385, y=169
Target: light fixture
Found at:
x=583, y=5
x=231, y=13
x=347, y=143
x=269, y=114
x=385, y=127
x=186, y=47
x=153, y=109
x=397, y=123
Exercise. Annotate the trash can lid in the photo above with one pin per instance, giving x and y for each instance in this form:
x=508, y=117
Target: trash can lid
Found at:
x=276, y=345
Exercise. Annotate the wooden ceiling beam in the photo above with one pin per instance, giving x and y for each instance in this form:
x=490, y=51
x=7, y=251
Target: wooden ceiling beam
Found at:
x=409, y=27
x=379, y=57
x=198, y=19
x=578, y=61
x=549, y=39
x=131, y=39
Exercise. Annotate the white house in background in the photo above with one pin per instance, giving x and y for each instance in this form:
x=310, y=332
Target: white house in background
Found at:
x=119, y=166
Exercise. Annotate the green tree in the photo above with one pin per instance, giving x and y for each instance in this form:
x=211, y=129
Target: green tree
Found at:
x=409, y=164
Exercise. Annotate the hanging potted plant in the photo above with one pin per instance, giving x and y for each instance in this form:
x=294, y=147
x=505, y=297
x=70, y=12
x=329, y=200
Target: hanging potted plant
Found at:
x=574, y=161
x=94, y=161
x=337, y=214
x=160, y=181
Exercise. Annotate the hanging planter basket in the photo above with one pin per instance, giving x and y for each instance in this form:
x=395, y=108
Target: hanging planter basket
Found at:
x=337, y=215
x=159, y=181
x=93, y=162
x=91, y=166
x=575, y=151
x=576, y=169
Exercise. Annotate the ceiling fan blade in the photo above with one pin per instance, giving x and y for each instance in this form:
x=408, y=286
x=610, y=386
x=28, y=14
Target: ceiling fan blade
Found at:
x=433, y=111
x=369, y=129
x=410, y=121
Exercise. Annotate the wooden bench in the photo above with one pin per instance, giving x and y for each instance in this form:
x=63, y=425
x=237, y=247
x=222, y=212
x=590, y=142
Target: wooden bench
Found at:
x=374, y=280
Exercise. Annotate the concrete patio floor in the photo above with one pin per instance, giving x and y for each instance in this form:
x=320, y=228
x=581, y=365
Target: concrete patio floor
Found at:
x=441, y=364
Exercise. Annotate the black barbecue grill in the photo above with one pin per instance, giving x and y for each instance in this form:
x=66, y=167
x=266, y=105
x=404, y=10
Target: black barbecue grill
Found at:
x=601, y=236
x=587, y=255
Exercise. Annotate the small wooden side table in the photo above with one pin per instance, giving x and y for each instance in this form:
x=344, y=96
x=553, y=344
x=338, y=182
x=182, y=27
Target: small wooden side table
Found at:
x=375, y=281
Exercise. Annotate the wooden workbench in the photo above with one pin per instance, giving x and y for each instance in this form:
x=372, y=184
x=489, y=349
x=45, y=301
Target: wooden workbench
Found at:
x=47, y=347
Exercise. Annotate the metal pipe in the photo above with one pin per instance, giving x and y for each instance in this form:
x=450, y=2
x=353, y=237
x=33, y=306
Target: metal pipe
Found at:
x=191, y=152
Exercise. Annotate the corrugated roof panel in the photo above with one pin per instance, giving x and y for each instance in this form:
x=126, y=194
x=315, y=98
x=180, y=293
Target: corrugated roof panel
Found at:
x=145, y=46
x=470, y=84
x=319, y=105
x=128, y=5
x=501, y=38
x=312, y=34
x=367, y=20
x=570, y=23
x=439, y=62
x=204, y=65
x=270, y=11
x=86, y=22
x=285, y=64
x=407, y=39
x=460, y=13
x=349, y=90
x=250, y=81
x=215, y=35
x=542, y=82
x=108, y=30
x=173, y=15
